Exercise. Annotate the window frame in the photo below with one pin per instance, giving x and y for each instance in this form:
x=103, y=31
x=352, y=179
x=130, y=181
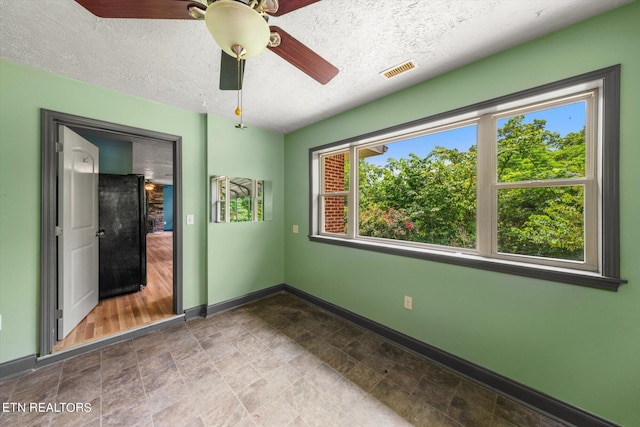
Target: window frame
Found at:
x=221, y=200
x=430, y=130
x=324, y=194
x=593, y=139
x=605, y=174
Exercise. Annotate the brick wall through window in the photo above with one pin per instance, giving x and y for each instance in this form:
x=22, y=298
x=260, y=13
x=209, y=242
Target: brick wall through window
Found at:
x=334, y=206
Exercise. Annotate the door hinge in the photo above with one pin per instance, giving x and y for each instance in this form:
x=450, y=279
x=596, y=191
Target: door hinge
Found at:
x=58, y=314
x=58, y=230
x=59, y=147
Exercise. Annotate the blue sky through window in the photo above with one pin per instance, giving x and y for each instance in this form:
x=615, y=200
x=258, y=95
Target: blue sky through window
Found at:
x=564, y=119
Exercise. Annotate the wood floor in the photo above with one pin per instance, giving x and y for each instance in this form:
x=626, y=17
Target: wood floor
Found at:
x=124, y=312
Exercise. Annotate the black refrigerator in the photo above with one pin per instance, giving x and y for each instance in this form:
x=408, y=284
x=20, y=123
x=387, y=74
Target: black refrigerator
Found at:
x=123, y=248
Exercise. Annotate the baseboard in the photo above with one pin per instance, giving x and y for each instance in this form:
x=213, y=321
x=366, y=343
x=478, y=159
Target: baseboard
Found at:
x=244, y=299
x=195, y=312
x=520, y=392
x=16, y=367
x=19, y=366
x=105, y=342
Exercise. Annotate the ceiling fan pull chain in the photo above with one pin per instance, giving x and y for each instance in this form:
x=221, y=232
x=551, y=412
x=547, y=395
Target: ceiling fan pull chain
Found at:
x=239, y=50
x=239, y=107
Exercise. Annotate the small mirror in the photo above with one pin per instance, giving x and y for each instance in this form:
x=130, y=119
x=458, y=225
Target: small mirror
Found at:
x=240, y=199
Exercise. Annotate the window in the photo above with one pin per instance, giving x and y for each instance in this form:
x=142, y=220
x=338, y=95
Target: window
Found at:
x=546, y=191
x=421, y=189
x=335, y=191
x=236, y=199
x=524, y=184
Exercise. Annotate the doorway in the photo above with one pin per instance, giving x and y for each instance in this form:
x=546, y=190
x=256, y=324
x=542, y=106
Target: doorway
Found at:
x=168, y=248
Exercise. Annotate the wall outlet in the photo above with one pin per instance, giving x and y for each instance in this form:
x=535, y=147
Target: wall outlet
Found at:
x=408, y=303
x=295, y=229
x=190, y=219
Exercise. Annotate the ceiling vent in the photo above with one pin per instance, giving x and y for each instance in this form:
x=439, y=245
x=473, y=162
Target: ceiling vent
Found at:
x=399, y=69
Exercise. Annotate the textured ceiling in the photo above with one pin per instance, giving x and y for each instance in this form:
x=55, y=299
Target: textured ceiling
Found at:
x=176, y=62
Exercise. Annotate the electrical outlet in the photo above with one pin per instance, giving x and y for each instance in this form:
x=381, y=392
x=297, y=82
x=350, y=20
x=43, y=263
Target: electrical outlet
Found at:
x=190, y=219
x=408, y=303
x=295, y=229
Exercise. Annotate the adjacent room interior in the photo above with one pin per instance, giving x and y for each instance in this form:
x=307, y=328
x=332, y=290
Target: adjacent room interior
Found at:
x=135, y=191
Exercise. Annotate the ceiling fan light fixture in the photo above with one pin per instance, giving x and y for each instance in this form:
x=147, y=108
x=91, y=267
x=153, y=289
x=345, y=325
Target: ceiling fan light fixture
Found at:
x=232, y=23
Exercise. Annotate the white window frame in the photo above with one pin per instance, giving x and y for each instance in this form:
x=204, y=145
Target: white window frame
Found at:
x=592, y=207
x=599, y=268
x=221, y=200
x=324, y=194
x=257, y=199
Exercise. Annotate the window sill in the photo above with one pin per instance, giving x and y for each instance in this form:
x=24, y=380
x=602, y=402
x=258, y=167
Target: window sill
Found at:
x=573, y=277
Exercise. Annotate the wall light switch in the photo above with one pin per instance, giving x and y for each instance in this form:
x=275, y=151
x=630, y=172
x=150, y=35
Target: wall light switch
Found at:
x=190, y=219
x=295, y=229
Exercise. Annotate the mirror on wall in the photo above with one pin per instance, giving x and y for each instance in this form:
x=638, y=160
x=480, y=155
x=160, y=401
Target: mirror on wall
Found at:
x=236, y=199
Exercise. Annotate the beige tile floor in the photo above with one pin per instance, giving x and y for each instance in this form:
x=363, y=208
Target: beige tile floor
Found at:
x=275, y=362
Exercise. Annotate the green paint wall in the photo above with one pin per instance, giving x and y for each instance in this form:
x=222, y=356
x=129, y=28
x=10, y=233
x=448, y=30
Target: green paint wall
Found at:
x=24, y=91
x=577, y=344
x=245, y=256
x=253, y=153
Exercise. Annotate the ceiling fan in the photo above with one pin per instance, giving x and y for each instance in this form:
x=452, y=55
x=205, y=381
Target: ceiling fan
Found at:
x=239, y=27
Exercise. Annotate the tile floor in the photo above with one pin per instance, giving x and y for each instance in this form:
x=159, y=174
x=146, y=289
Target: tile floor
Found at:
x=277, y=362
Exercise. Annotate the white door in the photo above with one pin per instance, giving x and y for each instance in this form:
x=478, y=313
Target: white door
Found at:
x=78, y=216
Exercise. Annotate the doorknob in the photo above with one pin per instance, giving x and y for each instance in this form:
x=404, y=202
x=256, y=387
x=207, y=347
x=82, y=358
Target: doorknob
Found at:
x=100, y=233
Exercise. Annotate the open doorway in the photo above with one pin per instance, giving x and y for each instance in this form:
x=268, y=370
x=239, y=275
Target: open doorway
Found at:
x=155, y=160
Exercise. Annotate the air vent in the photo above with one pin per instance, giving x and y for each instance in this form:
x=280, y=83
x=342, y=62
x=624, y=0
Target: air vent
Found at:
x=399, y=69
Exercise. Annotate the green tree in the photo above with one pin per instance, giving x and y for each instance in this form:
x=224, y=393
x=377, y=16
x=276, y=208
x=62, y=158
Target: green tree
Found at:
x=429, y=200
x=433, y=199
x=547, y=221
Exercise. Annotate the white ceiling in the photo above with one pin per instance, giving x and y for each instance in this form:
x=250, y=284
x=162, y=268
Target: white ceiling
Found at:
x=176, y=62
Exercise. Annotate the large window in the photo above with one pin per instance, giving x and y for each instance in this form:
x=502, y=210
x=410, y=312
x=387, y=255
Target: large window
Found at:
x=525, y=184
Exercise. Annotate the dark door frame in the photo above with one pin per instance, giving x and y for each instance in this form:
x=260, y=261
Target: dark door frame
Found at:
x=49, y=124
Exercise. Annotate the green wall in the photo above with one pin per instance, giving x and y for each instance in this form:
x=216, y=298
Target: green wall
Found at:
x=24, y=92
x=245, y=256
x=577, y=344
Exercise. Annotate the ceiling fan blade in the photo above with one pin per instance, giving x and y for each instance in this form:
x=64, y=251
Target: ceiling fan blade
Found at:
x=145, y=9
x=287, y=6
x=229, y=72
x=299, y=55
